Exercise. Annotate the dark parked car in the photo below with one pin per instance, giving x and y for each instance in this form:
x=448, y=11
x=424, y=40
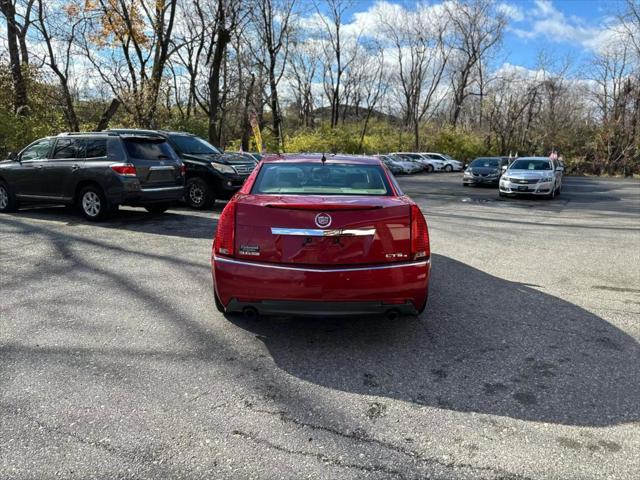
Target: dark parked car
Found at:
x=96, y=171
x=484, y=171
x=211, y=174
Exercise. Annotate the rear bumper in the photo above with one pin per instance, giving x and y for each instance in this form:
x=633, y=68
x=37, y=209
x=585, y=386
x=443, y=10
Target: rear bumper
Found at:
x=271, y=288
x=324, y=309
x=145, y=196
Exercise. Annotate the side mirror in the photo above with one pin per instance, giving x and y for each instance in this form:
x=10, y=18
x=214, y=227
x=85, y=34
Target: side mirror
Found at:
x=504, y=168
x=13, y=156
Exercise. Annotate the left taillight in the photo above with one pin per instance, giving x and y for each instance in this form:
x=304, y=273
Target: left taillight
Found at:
x=183, y=170
x=125, y=169
x=225, y=233
x=419, y=235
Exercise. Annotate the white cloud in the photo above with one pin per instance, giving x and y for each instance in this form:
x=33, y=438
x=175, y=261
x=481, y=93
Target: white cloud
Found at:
x=550, y=23
x=512, y=12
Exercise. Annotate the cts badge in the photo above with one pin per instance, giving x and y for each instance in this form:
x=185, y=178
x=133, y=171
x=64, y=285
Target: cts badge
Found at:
x=323, y=220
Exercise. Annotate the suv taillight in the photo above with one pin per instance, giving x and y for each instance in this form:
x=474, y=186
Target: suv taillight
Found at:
x=126, y=169
x=183, y=169
x=225, y=233
x=419, y=235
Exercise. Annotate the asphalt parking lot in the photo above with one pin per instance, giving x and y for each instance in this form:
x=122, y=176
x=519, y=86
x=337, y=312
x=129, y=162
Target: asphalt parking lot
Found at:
x=114, y=362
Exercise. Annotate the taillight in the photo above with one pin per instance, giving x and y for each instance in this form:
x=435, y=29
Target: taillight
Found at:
x=183, y=170
x=225, y=233
x=126, y=169
x=419, y=235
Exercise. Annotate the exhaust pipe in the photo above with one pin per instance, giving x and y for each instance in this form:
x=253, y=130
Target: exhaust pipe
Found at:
x=250, y=313
x=392, y=315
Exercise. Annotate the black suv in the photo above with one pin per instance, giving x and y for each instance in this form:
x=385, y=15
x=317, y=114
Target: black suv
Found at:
x=211, y=174
x=96, y=171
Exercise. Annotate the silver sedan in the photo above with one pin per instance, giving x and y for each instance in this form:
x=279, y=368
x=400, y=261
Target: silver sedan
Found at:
x=532, y=176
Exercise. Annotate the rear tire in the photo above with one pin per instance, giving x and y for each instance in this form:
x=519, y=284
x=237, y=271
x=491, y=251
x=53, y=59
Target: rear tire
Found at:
x=93, y=203
x=429, y=168
x=217, y=301
x=448, y=168
x=8, y=201
x=157, y=209
x=198, y=194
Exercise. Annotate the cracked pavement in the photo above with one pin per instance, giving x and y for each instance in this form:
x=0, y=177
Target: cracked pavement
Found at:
x=115, y=364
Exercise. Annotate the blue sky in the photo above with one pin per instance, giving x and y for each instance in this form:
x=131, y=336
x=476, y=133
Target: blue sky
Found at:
x=561, y=28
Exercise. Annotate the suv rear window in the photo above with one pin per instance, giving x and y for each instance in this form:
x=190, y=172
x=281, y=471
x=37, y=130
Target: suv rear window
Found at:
x=318, y=179
x=149, y=148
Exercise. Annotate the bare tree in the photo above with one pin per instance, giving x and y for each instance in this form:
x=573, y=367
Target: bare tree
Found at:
x=421, y=57
x=272, y=26
x=139, y=37
x=477, y=28
x=60, y=26
x=335, y=61
x=304, y=61
x=7, y=7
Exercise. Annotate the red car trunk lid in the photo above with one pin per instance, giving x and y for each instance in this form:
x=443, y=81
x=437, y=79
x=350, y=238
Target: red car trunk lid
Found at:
x=319, y=230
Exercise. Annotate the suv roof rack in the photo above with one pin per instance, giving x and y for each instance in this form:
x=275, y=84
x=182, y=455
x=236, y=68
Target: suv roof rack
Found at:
x=70, y=134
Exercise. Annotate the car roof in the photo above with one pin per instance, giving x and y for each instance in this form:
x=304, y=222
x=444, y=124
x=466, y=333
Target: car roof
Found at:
x=317, y=157
x=533, y=158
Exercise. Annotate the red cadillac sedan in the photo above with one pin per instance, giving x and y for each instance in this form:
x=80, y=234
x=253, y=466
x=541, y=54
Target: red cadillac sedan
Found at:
x=316, y=235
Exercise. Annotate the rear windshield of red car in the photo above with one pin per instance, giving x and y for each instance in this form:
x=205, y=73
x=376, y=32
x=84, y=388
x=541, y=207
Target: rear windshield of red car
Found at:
x=321, y=179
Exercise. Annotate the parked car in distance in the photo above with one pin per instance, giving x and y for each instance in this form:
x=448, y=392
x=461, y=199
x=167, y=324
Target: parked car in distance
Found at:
x=96, y=171
x=393, y=167
x=409, y=165
x=532, y=176
x=210, y=174
x=484, y=171
x=449, y=164
x=311, y=235
x=427, y=164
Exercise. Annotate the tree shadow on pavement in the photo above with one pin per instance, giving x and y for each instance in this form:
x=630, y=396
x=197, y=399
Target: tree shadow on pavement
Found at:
x=483, y=345
x=178, y=222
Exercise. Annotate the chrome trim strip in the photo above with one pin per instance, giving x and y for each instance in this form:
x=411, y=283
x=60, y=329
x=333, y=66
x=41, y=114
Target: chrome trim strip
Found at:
x=316, y=232
x=42, y=197
x=161, y=189
x=162, y=167
x=322, y=270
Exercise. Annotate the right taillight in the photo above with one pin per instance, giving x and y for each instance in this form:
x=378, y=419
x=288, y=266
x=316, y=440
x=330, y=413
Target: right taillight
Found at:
x=126, y=169
x=419, y=235
x=225, y=233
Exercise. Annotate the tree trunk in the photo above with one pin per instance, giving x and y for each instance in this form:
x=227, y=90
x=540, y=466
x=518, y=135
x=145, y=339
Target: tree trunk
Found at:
x=275, y=106
x=107, y=115
x=246, y=125
x=19, y=86
x=214, y=75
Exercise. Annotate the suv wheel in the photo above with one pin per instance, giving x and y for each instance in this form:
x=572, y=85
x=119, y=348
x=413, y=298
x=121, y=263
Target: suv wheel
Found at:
x=157, y=209
x=93, y=203
x=448, y=168
x=429, y=168
x=198, y=194
x=8, y=203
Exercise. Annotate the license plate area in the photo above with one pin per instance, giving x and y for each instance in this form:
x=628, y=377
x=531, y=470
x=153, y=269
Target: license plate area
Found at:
x=522, y=188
